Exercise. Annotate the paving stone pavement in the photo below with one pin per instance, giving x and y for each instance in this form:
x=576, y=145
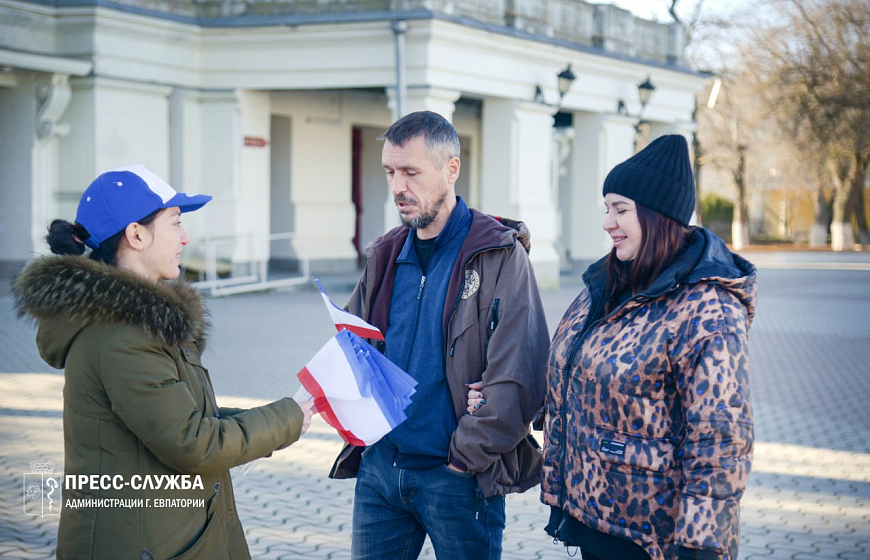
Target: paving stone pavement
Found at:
x=809, y=492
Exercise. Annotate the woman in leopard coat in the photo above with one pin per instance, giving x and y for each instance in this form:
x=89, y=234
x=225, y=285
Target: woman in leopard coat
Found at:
x=648, y=436
x=648, y=433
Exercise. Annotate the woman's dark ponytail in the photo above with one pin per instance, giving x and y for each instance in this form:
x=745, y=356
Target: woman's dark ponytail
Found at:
x=65, y=238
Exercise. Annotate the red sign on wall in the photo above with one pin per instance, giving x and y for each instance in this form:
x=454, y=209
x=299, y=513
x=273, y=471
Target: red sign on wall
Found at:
x=255, y=141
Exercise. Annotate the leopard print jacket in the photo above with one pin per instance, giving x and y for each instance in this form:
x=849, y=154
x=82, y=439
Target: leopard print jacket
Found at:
x=648, y=432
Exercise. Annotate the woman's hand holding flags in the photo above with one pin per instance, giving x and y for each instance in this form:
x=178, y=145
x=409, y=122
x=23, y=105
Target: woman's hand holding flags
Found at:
x=356, y=389
x=359, y=392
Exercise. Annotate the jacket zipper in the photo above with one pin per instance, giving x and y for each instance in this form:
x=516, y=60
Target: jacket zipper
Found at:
x=416, y=322
x=566, y=374
x=563, y=437
x=413, y=340
x=493, y=323
x=209, y=392
x=559, y=531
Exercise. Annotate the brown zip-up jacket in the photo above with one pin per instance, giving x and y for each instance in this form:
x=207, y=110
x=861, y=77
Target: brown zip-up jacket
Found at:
x=495, y=331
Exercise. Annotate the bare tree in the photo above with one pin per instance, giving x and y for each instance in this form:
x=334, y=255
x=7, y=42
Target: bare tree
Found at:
x=720, y=140
x=694, y=26
x=812, y=67
x=729, y=131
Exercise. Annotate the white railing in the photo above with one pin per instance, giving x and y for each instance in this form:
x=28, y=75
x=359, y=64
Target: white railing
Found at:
x=222, y=277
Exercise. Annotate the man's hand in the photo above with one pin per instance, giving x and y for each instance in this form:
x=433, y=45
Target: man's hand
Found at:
x=475, y=396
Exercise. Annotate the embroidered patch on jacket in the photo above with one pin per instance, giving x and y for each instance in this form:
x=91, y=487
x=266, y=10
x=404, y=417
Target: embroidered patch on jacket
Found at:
x=472, y=283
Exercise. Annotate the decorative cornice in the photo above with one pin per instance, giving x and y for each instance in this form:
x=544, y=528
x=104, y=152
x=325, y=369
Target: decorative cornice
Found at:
x=44, y=63
x=236, y=14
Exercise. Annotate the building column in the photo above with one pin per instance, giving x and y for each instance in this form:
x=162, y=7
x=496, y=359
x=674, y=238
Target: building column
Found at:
x=320, y=193
x=205, y=147
x=35, y=95
x=186, y=139
x=563, y=144
x=106, y=134
x=441, y=101
x=425, y=98
x=53, y=94
x=18, y=106
x=219, y=145
x=601, y=141
x=254, y=170
x=517, y=140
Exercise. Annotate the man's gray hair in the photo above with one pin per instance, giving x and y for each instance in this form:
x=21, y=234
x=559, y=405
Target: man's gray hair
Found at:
x=442, y=142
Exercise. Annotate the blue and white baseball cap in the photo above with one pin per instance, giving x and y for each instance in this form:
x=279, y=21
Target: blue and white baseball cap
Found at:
x=119, y=197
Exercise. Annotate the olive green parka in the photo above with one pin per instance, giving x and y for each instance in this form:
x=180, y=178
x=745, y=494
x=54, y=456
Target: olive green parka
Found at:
x=138, y=404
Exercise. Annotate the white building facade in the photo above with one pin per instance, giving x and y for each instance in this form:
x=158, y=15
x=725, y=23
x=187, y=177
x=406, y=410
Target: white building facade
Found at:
x=275, y=109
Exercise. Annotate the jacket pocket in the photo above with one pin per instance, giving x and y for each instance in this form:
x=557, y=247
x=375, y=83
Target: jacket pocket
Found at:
x=194, y=541
x=456, y=474
x=638, y=486
x=519, y=469
x=490, y=329
x=76, y=531
x=212, y=543
x=190, y=355
x=632, y=450
x=464, y=319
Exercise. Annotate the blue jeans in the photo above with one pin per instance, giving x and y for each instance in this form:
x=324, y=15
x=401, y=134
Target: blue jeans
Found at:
x=394, y=509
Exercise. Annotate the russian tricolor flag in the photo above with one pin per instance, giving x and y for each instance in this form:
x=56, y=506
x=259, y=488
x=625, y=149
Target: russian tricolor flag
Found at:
x=357, y=390
x=349, y=321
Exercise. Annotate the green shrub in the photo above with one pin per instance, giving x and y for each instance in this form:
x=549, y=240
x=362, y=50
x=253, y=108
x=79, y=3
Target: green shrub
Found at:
x=714, y=208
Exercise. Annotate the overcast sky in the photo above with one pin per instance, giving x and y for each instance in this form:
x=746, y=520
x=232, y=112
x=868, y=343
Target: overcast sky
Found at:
x=713, y=50
x=658, y=9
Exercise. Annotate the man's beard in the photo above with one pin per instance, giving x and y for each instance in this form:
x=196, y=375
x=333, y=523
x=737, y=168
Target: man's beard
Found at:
x=425, y=218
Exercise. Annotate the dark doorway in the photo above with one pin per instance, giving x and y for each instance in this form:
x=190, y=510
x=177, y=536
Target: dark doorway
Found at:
x=357, y=193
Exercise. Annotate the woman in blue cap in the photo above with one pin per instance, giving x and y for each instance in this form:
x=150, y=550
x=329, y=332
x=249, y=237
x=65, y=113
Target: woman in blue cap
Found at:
x=648, y=428
x=147, y=449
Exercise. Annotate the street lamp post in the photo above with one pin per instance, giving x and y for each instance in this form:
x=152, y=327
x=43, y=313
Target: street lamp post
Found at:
x=645, y=90
x=565, y=79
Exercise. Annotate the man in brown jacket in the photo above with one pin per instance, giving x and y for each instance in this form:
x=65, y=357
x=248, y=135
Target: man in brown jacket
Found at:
x=456, y=297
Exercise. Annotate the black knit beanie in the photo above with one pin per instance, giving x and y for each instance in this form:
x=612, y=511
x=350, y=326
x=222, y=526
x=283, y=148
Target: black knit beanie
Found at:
x=658, y=177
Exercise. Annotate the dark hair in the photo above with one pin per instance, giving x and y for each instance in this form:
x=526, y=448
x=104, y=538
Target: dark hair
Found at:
x=441, y=139
x=66, y=238
x=662, y=238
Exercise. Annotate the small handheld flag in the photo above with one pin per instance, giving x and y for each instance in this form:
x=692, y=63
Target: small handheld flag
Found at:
x=349, y=321
x=358, y=390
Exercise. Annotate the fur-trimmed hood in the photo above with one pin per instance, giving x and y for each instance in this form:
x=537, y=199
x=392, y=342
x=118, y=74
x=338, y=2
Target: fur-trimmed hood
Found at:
x=69, y=293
